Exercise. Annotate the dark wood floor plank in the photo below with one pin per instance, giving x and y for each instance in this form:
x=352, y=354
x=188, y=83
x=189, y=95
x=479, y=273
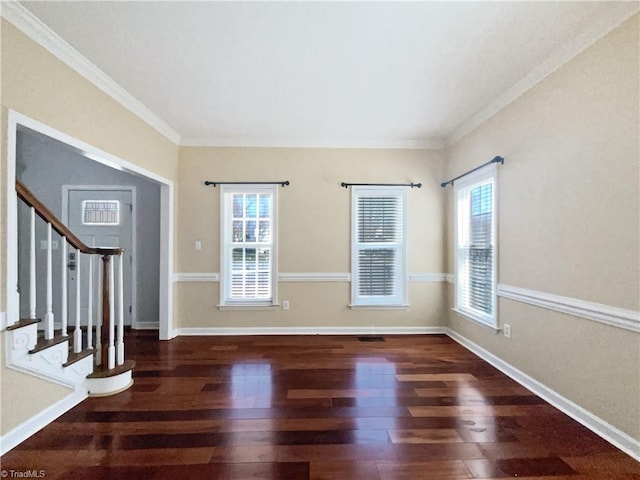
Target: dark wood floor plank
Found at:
x=435, y=470
x=316, y=407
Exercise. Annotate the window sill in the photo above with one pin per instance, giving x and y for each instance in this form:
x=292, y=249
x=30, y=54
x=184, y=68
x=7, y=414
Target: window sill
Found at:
x=476, y=320
x=380, y=307
x=249, y=306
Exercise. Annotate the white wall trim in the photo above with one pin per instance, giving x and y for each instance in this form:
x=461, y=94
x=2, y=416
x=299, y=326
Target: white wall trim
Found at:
x=40, y=33
x=147, y=326
x=371, y=330
x=23, y=431
x=305, y=277
x=165, y=314
x=597, y=312
x=3, y=321
x=614, y=16
x=315, y=277
x=613, y=435
x=11, y=212
x=196, y=277
x=427, y=277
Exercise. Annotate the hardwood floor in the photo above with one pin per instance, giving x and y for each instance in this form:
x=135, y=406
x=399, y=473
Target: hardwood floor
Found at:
x=316, y=407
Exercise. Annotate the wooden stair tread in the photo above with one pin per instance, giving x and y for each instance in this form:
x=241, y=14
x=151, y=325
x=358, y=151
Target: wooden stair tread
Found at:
x=76, y=357
x=99, y=373
x=44, y=344
x=23, y=322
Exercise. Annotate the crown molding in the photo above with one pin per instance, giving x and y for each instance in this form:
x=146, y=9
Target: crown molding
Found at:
x=598, y=28
x=40, y=33
x=435, y=143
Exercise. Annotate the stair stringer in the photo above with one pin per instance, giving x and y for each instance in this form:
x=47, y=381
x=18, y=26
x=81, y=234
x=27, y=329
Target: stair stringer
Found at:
x=46, y=364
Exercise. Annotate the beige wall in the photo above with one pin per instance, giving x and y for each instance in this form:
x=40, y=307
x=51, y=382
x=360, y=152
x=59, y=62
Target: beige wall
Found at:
x=568, y=215
x=568, y=225
x=37, y=84
x=314, y=231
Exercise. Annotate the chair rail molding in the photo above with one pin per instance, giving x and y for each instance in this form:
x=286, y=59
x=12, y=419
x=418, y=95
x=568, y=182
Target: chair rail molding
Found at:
x=306, y=277
x=196, y=277
x=597, y=312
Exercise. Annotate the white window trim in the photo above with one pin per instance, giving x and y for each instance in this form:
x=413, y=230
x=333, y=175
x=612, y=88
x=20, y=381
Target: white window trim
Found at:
x=247, y=304
x=490, y=172
x=398, y=302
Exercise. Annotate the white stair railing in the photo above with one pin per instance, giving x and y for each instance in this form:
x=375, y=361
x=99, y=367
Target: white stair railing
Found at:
x=64, y=314
x=77, y=333
x=108, y=341
x=111, y=351
x=120, y=345
x=48, y=316
x=32, y=265
x=90, y=304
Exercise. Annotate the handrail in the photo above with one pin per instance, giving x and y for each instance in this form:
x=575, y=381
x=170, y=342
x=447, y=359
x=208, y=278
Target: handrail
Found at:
x=43, y=212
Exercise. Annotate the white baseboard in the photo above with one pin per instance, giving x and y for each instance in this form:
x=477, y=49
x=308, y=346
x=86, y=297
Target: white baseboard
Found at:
x=146, y=326
x=312, y=331
x=23, y=431
x=613, y=435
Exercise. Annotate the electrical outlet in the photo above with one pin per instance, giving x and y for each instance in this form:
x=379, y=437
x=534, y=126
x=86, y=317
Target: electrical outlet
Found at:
x=507, y=330
x=198, y=245
x=285, y=304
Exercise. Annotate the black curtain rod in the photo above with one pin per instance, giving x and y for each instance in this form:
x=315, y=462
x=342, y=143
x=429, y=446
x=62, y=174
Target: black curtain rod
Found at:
x=281, y=183
x=412, y=185
x=497, y=159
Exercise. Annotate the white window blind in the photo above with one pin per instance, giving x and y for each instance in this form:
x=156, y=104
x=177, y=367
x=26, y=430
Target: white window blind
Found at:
x=476, y=248
x=378, y=253
x=248, y=245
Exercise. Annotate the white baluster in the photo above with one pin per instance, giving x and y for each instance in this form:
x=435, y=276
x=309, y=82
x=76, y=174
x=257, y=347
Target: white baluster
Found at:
x=120, y=345
x=111, y=351
x=77, y=333
x=64, y=320
x=32, y=267
x=90, y=305
x=48, y=316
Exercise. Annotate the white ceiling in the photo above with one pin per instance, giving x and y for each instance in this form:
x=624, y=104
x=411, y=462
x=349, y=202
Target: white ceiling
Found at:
x=326, y=74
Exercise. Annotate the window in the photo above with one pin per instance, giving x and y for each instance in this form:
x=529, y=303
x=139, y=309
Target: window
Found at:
x=378, y=246
x=476, y=247
x=248, y=246
x=100, y=212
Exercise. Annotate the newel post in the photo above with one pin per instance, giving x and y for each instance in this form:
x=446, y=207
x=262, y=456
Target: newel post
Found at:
x=106, y=312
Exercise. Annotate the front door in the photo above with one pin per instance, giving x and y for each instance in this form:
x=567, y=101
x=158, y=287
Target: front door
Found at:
x=100, y=218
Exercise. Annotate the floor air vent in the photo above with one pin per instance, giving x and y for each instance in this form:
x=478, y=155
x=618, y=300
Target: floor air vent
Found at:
x=371, y=338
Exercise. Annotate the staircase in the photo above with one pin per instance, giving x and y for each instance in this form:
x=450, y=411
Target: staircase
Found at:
x=87, y=356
